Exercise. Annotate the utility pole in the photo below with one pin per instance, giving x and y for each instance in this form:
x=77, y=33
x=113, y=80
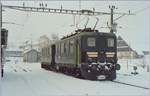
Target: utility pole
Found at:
x=0, y=40
x=111, y=18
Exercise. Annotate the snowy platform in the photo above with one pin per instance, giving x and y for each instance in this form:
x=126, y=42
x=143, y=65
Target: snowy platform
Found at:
x=24, y=79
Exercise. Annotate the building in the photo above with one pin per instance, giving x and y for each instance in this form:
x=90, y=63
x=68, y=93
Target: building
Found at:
x=14, y=53
x=31, y=56
x=124, y=51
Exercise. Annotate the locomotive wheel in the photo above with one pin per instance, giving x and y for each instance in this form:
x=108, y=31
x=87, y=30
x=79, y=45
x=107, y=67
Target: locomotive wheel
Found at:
x=87, y=75
x=77, y=73
x=57, y=68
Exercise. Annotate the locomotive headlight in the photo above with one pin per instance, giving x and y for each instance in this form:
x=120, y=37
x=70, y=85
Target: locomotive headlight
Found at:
x=93, y=63
x=92, y=54
x=110, y=54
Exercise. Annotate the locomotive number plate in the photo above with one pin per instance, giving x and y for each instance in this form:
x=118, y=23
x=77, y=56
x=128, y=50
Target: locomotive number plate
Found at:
x=101, y=77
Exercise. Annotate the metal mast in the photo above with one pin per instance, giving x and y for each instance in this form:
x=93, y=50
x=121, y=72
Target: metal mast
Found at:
x=111, y=17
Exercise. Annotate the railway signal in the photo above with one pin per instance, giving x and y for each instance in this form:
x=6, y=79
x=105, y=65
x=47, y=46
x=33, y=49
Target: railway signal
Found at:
x=4, y=34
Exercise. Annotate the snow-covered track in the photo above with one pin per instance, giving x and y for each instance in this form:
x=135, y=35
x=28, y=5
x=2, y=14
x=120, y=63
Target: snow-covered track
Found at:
x=131, y=85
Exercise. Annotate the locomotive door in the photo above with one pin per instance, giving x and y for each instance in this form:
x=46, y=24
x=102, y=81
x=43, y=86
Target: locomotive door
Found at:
x=53, y=51
x=77, y=52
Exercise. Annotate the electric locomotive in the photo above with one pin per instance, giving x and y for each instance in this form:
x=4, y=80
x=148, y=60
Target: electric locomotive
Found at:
x=87, y=53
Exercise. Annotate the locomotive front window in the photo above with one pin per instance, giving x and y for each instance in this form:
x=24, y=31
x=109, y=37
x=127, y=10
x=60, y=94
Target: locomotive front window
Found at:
x=91, y=42
x=110, y=42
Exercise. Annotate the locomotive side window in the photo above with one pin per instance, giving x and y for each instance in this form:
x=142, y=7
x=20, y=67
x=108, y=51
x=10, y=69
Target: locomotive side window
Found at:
x=110, y=42
x=57, y=52
x=48, y=51
x=71, y=46
x=62, y=48
x=65, y=47
x=45, y=52
x=59, y=49
x=91, y=42
x=42, y=51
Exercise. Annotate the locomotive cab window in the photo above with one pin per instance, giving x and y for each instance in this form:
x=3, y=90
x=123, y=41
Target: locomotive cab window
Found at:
x=91, y=42
x=110, y=42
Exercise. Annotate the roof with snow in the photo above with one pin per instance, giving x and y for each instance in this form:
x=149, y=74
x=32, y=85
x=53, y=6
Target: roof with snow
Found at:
x=14, y=49
x=29, y=50
x=122, y=45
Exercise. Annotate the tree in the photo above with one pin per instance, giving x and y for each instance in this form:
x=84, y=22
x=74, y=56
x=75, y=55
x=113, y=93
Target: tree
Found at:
x=44, y=41
x=54, y=37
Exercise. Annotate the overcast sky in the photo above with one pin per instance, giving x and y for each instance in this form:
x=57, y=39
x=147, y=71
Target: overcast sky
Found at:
x=135, y=29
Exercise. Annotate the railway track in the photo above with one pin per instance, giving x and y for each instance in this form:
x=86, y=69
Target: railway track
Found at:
x=123, y=83
x=131, y=85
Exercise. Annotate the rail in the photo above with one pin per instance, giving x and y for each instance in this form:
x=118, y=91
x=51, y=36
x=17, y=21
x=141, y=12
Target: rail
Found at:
x=131, y=85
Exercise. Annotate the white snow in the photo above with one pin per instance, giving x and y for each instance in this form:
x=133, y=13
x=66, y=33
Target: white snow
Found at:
x=141, y=79
x=13, y=60
x=28, y=79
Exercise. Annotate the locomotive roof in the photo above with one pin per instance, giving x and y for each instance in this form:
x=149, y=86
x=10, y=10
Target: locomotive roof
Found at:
x=88, y=31
x=80, y=32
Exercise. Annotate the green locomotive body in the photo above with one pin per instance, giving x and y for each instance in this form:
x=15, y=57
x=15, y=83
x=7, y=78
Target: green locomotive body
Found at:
x=87, y=53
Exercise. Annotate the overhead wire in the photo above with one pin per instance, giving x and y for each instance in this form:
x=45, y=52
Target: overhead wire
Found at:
x=141, y=10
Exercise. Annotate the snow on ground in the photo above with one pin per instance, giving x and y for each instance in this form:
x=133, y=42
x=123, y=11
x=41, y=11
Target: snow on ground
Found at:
x=141, y=79
x=28, y=79
x=10, y=60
